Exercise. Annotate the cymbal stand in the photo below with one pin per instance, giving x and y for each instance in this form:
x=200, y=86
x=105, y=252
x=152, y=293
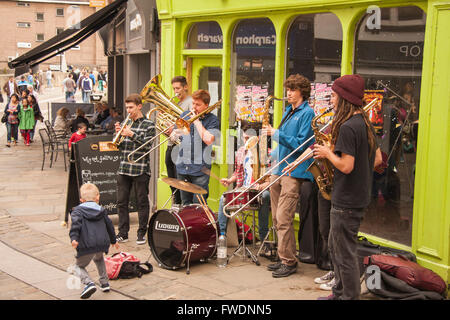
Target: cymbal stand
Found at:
x=245, y=250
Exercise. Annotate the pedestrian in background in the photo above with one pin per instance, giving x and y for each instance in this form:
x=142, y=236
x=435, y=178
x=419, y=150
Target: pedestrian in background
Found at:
x=10, y=88
x=48, y=76
x=85, y=85
x=12, y=122
x=69, y=87
x=91, y=234
x=37, y=113
x=26, y=124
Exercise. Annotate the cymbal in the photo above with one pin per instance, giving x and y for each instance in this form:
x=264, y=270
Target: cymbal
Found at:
x=183, y=185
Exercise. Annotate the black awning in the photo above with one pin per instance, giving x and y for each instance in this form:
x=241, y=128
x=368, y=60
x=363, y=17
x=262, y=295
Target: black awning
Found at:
x=67, y=39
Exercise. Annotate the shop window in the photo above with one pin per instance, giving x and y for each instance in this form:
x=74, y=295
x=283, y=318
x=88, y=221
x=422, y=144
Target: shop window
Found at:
x=253, y=69
x=315, y=51
x=205, y=35
x=390, y=60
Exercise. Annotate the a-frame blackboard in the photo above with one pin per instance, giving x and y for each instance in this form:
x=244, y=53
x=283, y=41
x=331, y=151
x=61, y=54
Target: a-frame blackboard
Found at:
x=93, y=160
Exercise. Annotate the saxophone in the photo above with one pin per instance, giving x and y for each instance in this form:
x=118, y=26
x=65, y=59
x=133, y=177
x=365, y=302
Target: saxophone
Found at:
x=322, y=169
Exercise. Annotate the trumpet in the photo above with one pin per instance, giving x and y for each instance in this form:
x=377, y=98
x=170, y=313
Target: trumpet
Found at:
x=181, y=124
x=118, y=138
x=297, y=162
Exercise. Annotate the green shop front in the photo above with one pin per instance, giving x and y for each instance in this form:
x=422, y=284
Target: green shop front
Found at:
x=245, y=49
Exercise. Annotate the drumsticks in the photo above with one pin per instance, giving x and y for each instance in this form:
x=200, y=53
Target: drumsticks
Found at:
x=206, y=209
x=210, y=173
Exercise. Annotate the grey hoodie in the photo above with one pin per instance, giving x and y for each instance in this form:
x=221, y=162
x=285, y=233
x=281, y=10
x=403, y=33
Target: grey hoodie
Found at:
x=91, y=228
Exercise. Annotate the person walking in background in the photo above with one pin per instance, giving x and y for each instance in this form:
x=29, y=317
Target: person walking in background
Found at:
x=85, y=85
x=48, y=76
x=101, y=80
x=91, y=234
x=69, y=87
x=10, y=88
x=37, y=113
x=22, y=85
x=12, y=122
x=26, y=124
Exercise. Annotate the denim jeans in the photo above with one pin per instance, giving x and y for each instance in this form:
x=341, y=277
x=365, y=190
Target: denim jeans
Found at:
x=201, y=181
x=124, y=185
x=342, y=243
x=86, y=96
x=172, y=173
x=263, y=215
x=69, y=95
x=12, y=131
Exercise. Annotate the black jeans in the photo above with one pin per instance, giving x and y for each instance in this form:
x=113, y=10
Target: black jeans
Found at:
x=124, y=185
x=342, y=242
x=324, y=207
x=201, y=181
x=172, y=173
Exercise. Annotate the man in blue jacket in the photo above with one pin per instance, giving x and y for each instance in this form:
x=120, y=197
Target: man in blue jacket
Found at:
x=294, y=130
x=91, y=234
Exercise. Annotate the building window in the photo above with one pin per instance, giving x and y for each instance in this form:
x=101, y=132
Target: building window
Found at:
x=23, y=24
x=39, y=16
x=59, y=30
x=23, y=4
x=60, y=12
x=390, y=58
x=315, y=51
x=40, y=37
x=205, y=35
x=253, y=69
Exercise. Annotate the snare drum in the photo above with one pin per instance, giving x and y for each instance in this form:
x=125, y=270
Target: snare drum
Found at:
x=242, y=200
x=177, y=237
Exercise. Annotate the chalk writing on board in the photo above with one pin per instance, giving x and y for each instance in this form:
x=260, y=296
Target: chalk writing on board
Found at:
x=99, y=159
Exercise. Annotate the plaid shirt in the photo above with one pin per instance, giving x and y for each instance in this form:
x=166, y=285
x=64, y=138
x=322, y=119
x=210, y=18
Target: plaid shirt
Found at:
x=143, y=130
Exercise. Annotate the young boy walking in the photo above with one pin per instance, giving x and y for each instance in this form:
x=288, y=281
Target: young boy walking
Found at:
x=91, y=234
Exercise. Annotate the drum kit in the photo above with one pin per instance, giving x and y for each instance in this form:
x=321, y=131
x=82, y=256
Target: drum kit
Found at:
x=181, y=235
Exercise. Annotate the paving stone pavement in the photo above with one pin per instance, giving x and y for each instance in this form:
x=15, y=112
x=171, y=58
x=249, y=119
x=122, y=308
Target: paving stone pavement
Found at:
x=32, y=204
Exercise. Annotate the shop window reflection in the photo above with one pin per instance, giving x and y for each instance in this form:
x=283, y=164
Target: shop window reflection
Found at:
x=315, y=47
x=205, y=35
x=390, y=59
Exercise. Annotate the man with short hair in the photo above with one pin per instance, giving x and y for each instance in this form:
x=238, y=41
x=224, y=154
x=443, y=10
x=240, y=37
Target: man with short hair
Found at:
x=69, y=87
x=180, y=88
x=196, y=146
x=85, y=85
x=10, y=88
x=136, y=174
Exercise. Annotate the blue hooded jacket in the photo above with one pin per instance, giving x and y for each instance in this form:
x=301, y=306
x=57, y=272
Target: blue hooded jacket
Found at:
x=91, y=228
x=292, y=133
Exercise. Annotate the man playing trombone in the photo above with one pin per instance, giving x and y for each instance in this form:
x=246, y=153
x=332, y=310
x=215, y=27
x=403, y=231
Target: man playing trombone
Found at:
x=134, y=134
x=294, y=130
x=196, y=146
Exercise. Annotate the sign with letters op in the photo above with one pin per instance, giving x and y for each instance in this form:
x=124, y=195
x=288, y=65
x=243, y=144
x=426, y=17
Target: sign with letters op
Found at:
x=94, y=160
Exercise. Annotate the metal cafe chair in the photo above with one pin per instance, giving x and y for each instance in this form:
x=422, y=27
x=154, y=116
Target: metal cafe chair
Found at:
x=47, y=147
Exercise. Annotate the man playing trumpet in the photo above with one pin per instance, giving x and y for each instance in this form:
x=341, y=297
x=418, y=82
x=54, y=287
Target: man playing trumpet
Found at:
x=137, y=173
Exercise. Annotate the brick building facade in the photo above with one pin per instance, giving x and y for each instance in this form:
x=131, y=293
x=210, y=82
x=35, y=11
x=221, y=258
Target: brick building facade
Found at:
x=27, y=24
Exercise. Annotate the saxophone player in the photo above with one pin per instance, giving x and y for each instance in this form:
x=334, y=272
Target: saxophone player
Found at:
x=293, y=131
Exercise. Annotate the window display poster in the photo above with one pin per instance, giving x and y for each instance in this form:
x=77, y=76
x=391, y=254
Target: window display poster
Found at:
x=250, y=101
x=376, y=113
x=320, y=100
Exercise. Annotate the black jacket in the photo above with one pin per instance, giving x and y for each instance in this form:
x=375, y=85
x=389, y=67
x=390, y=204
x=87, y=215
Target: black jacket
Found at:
x=91, y=228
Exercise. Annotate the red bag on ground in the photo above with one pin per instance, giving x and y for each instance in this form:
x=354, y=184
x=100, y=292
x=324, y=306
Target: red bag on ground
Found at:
x=116, y=261
x=408, y=271
x=249, y=234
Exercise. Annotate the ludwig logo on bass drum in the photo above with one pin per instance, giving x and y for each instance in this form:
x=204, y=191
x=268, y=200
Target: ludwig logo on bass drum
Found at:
x=167, y=227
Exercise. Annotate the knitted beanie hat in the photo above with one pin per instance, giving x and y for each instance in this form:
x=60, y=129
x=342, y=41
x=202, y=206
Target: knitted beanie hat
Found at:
x=350, y=88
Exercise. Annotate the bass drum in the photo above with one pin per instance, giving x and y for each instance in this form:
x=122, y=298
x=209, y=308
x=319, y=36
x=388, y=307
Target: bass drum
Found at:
x=178, y=237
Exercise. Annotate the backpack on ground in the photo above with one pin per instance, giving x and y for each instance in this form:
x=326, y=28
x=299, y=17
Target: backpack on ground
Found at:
x=408, y=271
x=123, y=265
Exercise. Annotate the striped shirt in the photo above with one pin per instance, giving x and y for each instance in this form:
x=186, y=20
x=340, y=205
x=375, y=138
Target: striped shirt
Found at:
x=143, y=130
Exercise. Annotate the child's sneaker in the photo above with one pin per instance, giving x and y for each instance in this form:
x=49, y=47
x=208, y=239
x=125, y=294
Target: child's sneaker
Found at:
x=88, y=291
x=325, y=278
x=122, y=239
x=105, y=287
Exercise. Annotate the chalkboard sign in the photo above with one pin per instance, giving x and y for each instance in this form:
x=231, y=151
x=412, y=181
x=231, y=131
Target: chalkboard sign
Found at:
x=94, y=160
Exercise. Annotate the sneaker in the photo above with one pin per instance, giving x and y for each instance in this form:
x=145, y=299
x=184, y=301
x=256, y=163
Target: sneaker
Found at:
x=284, y=271
x=324, y=279
x=330, y=297
x=88, y=291
x=105, y=287
x=141, y=240
x=274, y=266
x=328, y=286
x=122, y=239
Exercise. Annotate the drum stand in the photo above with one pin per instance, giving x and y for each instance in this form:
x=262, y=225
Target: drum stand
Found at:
x=266, y=239
x=245, y=250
